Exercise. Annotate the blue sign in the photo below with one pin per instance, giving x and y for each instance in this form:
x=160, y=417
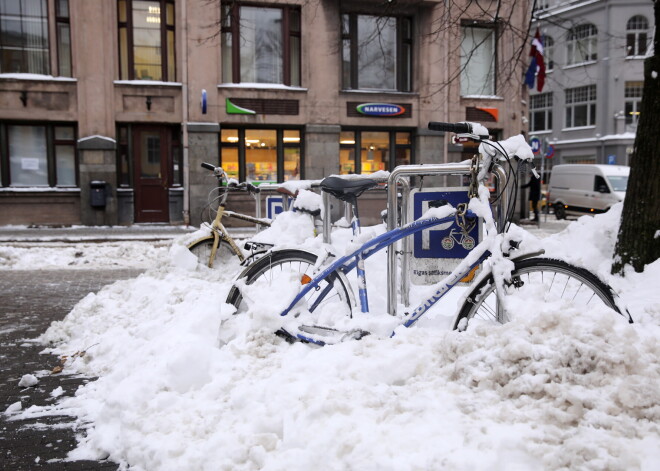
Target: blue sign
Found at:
x=611, y=159
x=535, y=144
x=437, y=251
x=550, y=152
x=438, y=243
x=203, y=101
x=380, y=109
x=275, y=206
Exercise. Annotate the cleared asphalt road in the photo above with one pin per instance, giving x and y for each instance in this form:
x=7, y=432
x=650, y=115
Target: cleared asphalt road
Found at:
x=29, y=302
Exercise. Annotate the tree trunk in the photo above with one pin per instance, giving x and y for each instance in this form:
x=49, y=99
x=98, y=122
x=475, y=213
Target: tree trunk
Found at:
x=638, y=242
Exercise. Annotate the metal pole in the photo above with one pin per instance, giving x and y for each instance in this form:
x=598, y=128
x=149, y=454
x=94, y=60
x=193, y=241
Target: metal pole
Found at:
x=405, y=245
x=327, y=223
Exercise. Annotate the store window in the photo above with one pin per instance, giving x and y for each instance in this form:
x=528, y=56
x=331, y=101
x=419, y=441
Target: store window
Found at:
x=261, y=155
x=478, y=61
x=633, y=101
x=581, y=106
x=260, y=44
x=367, y=151
x=582, y=44
x=376, y=52
x=540, y=112
x=24, y=40
x=146, y=40
x=637, y=36
x=38, y=155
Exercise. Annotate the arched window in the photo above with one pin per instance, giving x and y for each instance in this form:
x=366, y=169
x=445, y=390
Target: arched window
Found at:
x=582, y=44
x=637, y=36
x=549, y=52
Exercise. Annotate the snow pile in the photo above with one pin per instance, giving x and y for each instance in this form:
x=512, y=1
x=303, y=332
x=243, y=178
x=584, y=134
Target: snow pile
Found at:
x=107, y=255
x=557, y=389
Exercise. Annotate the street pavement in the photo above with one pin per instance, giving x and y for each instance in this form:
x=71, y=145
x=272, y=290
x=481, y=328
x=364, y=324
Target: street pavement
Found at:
x=29, y=302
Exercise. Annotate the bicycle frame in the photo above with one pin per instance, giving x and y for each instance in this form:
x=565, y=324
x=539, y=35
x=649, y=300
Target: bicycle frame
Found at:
x=348, y=262
x=219, y=232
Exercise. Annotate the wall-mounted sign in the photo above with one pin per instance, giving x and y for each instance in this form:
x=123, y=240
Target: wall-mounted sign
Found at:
x=236, y=105
x=380, y=109
x=203, y=102
x=231, y=108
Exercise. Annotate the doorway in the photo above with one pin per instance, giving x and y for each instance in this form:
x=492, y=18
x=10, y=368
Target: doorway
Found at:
x=151, y=145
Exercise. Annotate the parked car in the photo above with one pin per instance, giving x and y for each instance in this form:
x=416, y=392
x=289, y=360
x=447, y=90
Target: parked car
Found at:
x=586, y=189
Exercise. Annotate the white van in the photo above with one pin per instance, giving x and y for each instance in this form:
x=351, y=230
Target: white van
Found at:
x=586, y=189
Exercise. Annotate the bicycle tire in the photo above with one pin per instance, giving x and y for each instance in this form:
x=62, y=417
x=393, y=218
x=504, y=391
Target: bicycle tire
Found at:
x=271, y=267
x=560, y=279
x=202, y=250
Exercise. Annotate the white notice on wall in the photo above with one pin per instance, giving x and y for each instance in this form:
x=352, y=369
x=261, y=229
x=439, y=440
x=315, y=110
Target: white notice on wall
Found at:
x=29, y=163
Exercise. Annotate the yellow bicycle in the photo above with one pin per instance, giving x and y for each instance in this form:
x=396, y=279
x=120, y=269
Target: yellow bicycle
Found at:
x=218, y=247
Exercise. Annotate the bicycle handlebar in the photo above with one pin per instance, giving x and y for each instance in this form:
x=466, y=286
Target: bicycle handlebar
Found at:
x=208, y=166
x=244, y=186
x=458, y=128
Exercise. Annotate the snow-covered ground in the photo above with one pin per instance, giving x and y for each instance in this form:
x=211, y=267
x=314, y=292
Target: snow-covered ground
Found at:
x=183, y=384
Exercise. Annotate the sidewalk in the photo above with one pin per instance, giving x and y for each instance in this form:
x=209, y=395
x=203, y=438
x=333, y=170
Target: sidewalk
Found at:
x=74, y=234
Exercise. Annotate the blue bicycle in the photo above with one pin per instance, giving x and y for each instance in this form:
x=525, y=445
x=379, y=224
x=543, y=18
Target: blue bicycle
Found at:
x=313, y=296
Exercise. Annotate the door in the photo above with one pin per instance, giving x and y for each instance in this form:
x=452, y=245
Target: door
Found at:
x=151, y=146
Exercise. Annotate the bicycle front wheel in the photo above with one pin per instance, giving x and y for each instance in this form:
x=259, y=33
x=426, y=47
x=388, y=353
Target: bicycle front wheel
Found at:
x=202, y=250
x=538, y=281
x=272, y=274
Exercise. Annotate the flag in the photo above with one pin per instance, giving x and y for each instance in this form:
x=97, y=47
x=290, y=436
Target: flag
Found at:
x=537, y=65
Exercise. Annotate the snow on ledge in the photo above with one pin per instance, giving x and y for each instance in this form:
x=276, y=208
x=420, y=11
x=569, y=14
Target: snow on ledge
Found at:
x=96, y=136
x=146, y=82
x=264, y=86
x=39, y=189
x=37, y=77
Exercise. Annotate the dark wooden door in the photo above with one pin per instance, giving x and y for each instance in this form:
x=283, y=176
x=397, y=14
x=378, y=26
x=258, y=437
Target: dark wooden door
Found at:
x=151, y=151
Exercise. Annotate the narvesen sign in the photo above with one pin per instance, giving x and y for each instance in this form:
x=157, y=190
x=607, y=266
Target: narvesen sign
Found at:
x=380, y=109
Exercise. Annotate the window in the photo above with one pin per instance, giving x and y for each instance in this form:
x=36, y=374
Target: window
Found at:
x=63, y=32
x=146, y=40
x=376, y=52
x=549, y=52
x=260, y=44
x=261, y=155
x=633, y=101
x=40, y=155
x=478, y=61
x=377, y=150
x=24, y=36
x=637, y=36
x=581, y=106
x=540, y=112
x=582, y=44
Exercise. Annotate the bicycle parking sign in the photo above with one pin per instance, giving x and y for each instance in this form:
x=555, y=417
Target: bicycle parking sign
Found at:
x=436, y=252
x=275, y=205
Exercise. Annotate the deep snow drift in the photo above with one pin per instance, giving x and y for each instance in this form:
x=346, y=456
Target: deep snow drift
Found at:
x=553, y=390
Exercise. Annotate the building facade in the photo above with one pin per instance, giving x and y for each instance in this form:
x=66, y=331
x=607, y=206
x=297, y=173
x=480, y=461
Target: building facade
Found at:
x=108, y=107
x=594, y=54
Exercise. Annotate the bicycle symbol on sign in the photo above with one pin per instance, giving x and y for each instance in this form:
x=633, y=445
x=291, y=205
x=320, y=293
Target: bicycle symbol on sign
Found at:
x=465, y=240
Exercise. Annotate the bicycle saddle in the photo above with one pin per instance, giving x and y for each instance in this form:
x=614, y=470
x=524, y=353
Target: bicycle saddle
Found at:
x=346, y=190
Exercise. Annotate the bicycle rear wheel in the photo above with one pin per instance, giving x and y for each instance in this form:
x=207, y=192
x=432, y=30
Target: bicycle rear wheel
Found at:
x=281, y=272
x=223, y=255
x=538, y=281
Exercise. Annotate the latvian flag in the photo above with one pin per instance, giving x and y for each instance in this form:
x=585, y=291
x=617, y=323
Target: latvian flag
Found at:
x=537, y=66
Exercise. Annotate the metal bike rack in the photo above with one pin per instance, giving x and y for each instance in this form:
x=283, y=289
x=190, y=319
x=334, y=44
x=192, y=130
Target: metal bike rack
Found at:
x=397, y=177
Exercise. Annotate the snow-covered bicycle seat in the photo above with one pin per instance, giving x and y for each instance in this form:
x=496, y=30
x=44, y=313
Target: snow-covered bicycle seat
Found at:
x=347, y=189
